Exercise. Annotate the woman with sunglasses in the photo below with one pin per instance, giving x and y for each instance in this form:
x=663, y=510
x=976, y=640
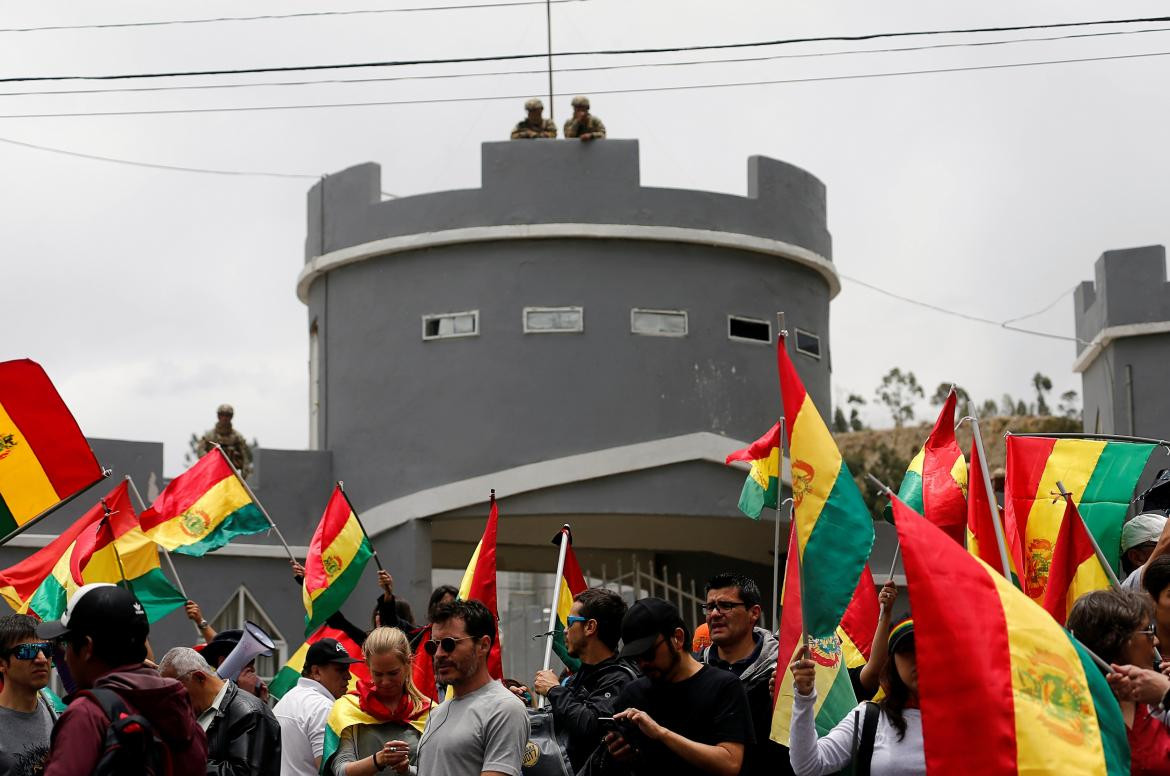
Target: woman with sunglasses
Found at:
x=377, y=726
x=1118, y=625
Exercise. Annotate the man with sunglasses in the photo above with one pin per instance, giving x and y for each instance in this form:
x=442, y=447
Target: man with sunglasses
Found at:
x=741, y=646
x=592, y=633
x=681, y=718
x=483, y=728
x=26, y=718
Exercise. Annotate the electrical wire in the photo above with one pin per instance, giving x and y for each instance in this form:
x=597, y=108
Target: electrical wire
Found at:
x=643, y=90
x=592, y=68
x=544, y=54
x=276, y=16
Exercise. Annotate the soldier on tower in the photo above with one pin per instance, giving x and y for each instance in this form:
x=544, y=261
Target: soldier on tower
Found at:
x=584, y=125
x=232, y=441
x=535, y=126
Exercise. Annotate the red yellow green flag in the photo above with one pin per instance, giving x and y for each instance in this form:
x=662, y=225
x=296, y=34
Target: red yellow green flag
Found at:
x=859, y=622
x=1102, y=477
x=44, y=459
x=833, y=525
x=338, y=553
x=203, y=509
x=347, y=711
x=981, y=541
x=1075, y=569
x=286, y=678
x=85, y=553
x=983, y=645
x=762, y=486
x=572, y=583
x=479, y=582
x=935, y=484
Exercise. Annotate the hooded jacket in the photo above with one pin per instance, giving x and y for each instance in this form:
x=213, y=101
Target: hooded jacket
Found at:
x=590, y=693
x=244, y=737
x=79, y=735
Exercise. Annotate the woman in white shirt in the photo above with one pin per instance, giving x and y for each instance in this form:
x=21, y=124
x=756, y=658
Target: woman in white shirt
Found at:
x=897, y=740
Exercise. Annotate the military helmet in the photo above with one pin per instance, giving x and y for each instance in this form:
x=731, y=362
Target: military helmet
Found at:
x=534, y=104
x=580, y=102
x=225, y=409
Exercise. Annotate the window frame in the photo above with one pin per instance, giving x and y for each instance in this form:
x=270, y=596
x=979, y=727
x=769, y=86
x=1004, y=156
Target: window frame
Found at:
x=439, y=316
x=746, y=319
x=564, y=308
x=796, y=343
x=658, y=311
x=237, y=601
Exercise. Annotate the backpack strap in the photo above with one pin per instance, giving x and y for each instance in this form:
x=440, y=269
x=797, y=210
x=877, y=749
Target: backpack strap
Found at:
x=861, y=762
x=110, y=702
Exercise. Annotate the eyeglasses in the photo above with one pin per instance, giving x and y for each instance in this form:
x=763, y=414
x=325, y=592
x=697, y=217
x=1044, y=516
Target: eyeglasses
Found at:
x=448, y=644
x=31, y=650
x=1150, y=631
x=573, y=619
x=723, y=606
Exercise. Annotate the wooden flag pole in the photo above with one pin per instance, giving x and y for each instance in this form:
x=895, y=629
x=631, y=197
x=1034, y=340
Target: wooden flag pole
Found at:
x=552, y=614
x=255, y=501
x=377, y=560
x=992, y=503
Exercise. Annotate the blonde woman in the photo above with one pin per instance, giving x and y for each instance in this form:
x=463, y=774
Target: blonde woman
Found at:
x=377, y=726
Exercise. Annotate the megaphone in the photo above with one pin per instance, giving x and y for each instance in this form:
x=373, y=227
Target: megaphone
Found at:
x=253, y=642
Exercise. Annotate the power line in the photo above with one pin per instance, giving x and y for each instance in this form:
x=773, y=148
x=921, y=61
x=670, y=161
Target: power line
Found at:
x=585, y=69
x=643, y=90
x=543, y=54
x=271, y=17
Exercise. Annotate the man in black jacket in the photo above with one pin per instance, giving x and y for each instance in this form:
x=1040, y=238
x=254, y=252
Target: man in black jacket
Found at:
x=243, y=736
x=591, y=635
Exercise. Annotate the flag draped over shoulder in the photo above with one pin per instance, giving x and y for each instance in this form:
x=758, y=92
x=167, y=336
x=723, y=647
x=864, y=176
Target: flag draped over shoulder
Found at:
x=286, y=678
x=572, y=583
x=44, y=459
x=981, y=541
x=834, y=527
x=338, y=553
x=935, y=484
x=479, y=583
x=203, y=509
x=347, y=711
x=985, y=649
x=762, y=487
x=835, y=696
x=1101, y=477
x=1075, y=569
x=85, y=553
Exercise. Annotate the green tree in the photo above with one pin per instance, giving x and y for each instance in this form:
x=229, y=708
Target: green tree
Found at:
x=989, y=409
x=897, y=392
x=855, y=402
x=840, y=424
x=1068, y=406
x=1021, y=407
x=1007, y=405
x=944, y=389
x=1042, y=385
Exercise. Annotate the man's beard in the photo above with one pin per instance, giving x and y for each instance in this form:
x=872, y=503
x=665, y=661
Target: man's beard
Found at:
x=675, y=659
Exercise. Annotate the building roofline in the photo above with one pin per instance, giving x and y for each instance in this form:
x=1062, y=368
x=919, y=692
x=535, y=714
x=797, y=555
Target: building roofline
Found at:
x=1105, y=337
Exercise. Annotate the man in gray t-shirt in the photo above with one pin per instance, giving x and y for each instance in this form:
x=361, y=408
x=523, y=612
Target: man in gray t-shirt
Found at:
x=483, y=729
x=25, y=717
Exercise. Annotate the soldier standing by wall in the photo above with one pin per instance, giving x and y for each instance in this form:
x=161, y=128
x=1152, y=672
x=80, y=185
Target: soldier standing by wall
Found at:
x=232, y=441
x=535, y=126
x=584, y=125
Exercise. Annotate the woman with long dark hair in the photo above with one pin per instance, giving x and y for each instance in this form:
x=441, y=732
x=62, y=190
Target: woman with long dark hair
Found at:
x=891, y=742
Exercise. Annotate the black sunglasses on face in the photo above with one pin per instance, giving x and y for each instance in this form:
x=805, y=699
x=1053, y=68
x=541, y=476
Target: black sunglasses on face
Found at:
x=448, y=644
x=31, y=650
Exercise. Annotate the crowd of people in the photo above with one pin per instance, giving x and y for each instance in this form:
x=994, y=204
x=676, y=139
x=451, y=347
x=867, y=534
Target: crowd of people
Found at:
x=648, y=697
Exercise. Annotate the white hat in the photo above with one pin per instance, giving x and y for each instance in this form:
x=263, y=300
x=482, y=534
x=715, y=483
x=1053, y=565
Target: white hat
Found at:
x=1146, y=527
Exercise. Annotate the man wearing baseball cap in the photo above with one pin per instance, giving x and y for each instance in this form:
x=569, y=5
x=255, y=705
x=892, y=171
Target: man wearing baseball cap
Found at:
x=304, y=710
x=104, y=630
x=682, y=717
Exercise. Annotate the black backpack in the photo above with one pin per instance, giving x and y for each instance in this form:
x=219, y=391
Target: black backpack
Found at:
x=131, y=744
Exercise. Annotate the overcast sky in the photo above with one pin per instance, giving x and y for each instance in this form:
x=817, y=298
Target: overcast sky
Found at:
x=151, y=296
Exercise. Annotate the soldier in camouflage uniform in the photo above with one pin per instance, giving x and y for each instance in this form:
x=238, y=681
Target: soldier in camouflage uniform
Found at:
x=232, y=441
x=584, y=125
x=535, y=125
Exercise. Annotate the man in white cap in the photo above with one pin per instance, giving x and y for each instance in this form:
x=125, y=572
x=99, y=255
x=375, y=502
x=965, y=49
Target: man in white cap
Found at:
x=1142, y=539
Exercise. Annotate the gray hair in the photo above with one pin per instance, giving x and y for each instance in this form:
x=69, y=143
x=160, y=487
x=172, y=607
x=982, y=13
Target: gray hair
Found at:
x=182, y=661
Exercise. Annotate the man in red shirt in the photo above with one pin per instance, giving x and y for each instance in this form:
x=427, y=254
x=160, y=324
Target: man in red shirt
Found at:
x=104, y=630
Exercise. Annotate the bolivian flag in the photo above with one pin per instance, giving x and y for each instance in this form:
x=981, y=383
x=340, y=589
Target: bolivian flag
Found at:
x=572, y=582
x=981, y=541
x=859, y=622
x=89, y=551
x=44, y=459
x=203, y=509
x=762, y=486
x=479, y=582
x=935, y=484
x=338, y=553
x=287, y=677
x=347, y=711
x=1102, y=477
x=1075, y=569
x=982, y=645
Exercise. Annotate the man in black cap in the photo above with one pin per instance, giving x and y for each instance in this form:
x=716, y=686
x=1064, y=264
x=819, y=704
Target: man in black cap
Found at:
x=681, y=717
x=304, y=710
x=104, y=631
x=223, y=644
